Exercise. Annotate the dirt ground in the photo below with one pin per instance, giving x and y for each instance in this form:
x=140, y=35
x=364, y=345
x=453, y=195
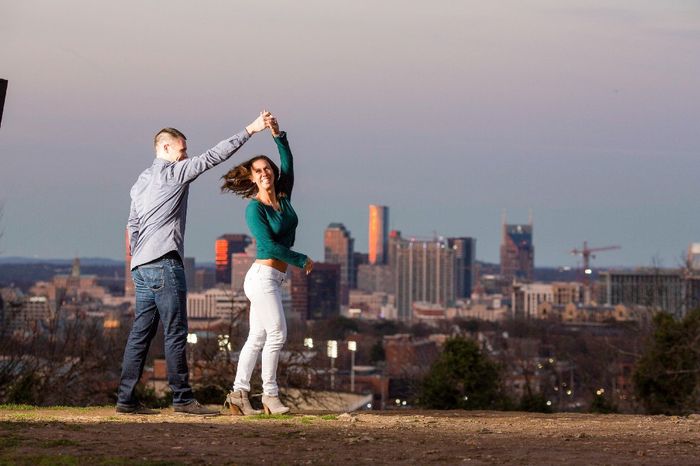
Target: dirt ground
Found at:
x=99, y=436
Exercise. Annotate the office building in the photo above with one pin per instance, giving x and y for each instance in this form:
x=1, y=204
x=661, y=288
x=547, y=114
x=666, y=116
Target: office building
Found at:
x=424, y=270
x=204, y=279
x=517, y=253
x=338, y=247
x=669, y=290
x=315, y=296
x=225, y=246
x=465, y=252
x=378, y=233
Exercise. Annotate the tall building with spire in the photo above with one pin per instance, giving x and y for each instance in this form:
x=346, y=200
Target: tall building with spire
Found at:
x=338, y=247
x=517, y=252
x=378, y=234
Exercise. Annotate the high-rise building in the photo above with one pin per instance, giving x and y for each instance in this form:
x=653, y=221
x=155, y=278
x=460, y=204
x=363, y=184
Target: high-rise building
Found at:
x=358, y=259
x=375, y=278
x=465, y=251
x=424, y=270
x=517, y=253
x=338, y=248
x=204, y=279
x=669, y=290
x=324, y=291
x=317, y=295
x=128, y=282
x=225, y=246
x=378, y=233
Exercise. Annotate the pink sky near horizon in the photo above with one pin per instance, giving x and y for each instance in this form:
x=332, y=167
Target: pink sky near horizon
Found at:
x=447, y=112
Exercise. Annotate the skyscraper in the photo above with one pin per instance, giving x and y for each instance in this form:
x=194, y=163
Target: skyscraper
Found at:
x=224, y=247
x=378, y=233
x=338, y=248
x=465, y=251
x=316, y=295
x=423, y=271
x=517, y=253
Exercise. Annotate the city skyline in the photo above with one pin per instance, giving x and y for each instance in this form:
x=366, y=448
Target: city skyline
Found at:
x=446, y=113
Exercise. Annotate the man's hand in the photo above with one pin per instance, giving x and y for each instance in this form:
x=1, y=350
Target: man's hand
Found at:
x=271, y=122
x=308, y=265
x=259, y=123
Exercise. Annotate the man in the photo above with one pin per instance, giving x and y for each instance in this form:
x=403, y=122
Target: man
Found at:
x=156, y=237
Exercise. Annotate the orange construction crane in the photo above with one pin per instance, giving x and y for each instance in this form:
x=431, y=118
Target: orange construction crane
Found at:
x=587, y=254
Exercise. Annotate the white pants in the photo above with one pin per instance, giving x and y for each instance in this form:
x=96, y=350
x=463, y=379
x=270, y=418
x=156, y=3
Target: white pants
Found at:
x=268, y=328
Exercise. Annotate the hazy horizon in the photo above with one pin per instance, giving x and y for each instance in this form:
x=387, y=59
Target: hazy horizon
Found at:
x=584, y=111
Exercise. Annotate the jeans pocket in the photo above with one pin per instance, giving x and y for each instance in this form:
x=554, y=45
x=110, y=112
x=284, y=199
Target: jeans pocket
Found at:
x=152, y=277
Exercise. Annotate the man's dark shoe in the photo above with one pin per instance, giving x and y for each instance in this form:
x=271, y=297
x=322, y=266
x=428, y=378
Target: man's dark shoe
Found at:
x=193, y=407
x=136, y=409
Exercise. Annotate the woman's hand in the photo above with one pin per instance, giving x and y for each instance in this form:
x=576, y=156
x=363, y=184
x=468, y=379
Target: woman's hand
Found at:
x=308, y=265
x=259, y=124
x=271, y=122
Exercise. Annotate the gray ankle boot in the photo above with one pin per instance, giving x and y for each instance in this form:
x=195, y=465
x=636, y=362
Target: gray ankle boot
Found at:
x=239, y=404
x=273, y=405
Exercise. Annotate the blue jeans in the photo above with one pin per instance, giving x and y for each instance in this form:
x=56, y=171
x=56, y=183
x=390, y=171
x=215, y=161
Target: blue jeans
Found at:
x=161, y=294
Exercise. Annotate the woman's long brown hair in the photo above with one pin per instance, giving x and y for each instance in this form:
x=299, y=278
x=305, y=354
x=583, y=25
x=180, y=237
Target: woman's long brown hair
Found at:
x=237, y=180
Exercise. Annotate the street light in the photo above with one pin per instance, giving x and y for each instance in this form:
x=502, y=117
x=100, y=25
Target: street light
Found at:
x=332, y=352
x=352, y=346
x=224, y=343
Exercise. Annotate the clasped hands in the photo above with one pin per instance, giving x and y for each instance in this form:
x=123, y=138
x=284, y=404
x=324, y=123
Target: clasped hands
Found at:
x=264, y=120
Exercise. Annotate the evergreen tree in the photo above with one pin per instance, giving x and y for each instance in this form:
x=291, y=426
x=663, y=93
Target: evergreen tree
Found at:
x=462, y=378
x=666, y=376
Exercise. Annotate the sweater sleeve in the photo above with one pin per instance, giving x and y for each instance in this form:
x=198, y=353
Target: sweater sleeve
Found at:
x=259, y=227
x=186, y=171
x=286, y=181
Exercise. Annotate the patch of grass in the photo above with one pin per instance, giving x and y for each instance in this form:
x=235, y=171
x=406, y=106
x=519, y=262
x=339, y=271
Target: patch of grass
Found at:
x=14, y=407
x=307, y=419
x=277, y=417
x=59, y=442
x=115, y=418
x=330, y=417
x=22, y=417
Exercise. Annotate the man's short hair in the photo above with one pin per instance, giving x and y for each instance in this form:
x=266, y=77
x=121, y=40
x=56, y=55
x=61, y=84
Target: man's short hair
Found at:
x=169, y=132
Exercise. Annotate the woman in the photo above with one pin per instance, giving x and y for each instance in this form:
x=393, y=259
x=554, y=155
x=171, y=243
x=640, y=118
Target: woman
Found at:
x=272, y=221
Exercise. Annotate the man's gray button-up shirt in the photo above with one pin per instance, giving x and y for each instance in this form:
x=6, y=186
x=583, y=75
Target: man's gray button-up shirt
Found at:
x=159, y=201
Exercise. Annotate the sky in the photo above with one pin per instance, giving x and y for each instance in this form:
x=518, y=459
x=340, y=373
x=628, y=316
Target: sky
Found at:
x=587, y=112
